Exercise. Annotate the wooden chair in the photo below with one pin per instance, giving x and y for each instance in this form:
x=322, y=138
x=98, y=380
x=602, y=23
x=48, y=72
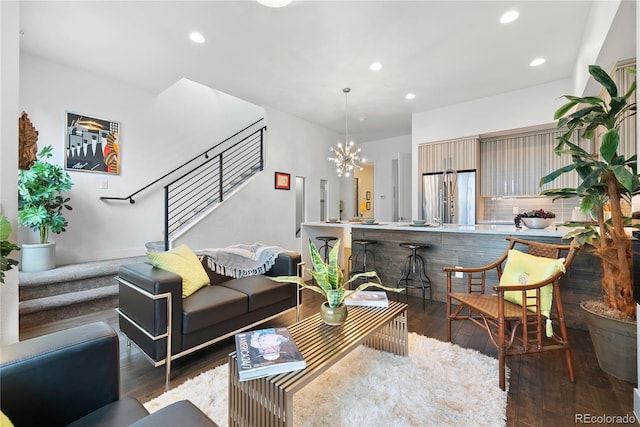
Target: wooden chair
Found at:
x=537, y=325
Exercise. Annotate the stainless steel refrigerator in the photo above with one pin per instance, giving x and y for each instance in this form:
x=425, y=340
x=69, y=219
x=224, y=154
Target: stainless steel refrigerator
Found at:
x=449, y=197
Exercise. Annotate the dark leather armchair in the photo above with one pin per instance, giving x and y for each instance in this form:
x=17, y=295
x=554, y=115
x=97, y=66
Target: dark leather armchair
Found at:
x=72, y=377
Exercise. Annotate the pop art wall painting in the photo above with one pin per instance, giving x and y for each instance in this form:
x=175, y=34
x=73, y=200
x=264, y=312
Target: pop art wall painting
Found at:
x=92, y=144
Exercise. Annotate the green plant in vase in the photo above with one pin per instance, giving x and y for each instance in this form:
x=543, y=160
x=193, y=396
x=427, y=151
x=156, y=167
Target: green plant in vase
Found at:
x=331, y=284
x=41, y=202
x=6, y=247
x=608, y=180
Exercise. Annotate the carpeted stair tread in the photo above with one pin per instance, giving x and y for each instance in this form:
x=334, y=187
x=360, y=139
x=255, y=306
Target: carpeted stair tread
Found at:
x=50, y=289
x=69, y=291
x=55, y=301
x=66, y=273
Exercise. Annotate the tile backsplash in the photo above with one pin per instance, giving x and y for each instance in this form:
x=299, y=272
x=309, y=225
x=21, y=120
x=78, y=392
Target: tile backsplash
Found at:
x=500, y=209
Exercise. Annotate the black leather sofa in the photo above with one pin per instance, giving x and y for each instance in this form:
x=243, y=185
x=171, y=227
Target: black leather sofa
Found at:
x=149, y=296
x=72, y=377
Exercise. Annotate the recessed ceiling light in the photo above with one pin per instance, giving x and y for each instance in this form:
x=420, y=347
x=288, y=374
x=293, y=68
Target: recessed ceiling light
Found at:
x=363, y=119
x=196, y=37
x=538, y=61
x=274, y=3
x=509, y=16
x=376, y=66
x=410, y=96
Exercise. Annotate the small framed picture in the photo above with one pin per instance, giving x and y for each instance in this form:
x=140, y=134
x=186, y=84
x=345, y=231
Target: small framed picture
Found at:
x=283, y=181
x=368, y=206
x=368, y=195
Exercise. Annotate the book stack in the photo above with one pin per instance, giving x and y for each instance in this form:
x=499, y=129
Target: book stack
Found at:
x=265, y=352
x=367, y=299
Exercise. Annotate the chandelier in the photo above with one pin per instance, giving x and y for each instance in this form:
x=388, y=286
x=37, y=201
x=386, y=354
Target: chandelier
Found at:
x=345, y=158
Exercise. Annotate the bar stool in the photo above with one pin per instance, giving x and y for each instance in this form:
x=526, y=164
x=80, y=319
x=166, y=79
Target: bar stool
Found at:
x=414, y=266
x=363, y=260
x=326, y=247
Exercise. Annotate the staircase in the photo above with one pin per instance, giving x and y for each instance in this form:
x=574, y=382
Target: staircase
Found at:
x=69, y=291
x=212, y=176
x=180, y=217
x=189, y=197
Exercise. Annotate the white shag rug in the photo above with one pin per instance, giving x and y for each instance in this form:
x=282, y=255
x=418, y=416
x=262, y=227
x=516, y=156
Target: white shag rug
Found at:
x=439, y=384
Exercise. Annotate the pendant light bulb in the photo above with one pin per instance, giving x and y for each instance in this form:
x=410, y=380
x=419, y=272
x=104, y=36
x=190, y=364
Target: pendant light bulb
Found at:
x=345, y=159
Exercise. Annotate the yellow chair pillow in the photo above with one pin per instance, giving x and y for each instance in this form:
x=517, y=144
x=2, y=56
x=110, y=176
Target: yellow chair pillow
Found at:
x=183, y=262
x=522, y=268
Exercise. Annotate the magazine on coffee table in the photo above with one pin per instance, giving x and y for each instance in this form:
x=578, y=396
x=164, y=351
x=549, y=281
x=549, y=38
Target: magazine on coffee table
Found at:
x=367, y=299
x=265, y=352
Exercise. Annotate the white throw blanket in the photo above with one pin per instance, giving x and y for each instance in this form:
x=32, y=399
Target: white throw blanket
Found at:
x=241, y=260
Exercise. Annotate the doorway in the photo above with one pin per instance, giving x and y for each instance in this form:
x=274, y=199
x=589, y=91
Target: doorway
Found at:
x=324, y=199
x=364, y=191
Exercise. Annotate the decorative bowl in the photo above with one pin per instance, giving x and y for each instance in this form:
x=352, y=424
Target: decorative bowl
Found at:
x=419, y=221
x=332, y=220
x=368, y=221
x=537, y=222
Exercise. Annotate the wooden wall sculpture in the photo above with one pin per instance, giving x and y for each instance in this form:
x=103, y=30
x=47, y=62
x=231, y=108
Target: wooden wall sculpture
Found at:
x=27, y=142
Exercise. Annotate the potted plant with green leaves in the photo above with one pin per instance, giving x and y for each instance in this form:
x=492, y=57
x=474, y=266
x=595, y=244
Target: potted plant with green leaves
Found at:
x=6, y=247
x=41, y=205
x=608, y=181
x=331, y=284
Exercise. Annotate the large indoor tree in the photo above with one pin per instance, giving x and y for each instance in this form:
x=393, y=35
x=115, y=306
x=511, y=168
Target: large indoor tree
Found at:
x=607, y=180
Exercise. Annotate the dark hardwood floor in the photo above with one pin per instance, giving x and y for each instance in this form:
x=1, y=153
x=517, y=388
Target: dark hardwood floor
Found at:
x=540, y=393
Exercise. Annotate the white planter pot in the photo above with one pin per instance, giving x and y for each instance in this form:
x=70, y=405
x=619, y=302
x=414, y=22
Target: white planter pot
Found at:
x=37, y=256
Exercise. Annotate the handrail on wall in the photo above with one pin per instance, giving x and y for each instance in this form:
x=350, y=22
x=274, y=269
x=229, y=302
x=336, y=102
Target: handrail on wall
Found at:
x=204, y=154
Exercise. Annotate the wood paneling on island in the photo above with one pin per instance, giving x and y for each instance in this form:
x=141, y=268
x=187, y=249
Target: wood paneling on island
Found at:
x=582, y=281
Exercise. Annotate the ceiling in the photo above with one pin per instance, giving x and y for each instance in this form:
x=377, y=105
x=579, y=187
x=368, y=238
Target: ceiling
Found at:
x=297, y=59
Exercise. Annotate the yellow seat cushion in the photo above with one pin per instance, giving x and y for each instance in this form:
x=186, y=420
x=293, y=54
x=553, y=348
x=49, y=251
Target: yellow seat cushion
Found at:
x=522, y=268
x=183, y=262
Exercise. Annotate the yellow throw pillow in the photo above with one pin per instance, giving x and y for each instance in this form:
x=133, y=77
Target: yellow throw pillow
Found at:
x=5, y=421
x=183, y=262
x=522, y=268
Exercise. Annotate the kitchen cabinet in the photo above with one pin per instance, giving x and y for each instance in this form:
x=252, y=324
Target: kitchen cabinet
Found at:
x=461, y=154
x=513, y=165
x=431, y=158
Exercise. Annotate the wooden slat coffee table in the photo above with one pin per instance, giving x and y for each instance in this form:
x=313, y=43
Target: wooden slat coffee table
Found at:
x=269, y=401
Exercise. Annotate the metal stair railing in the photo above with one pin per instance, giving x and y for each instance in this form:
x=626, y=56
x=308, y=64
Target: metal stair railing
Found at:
x=227, y=165
x=209, y=183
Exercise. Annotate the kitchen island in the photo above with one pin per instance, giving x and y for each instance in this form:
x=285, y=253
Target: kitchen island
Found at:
x=458, y=245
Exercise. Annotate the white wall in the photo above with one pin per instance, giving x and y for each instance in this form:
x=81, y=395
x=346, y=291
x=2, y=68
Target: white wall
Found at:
x=512, y=110
x=158, y=132
x=598, y=24
x=260, y=213
x=9, y=113
x=610, y=36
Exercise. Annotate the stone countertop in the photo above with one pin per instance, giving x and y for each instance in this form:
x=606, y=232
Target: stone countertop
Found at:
x=552, y=231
